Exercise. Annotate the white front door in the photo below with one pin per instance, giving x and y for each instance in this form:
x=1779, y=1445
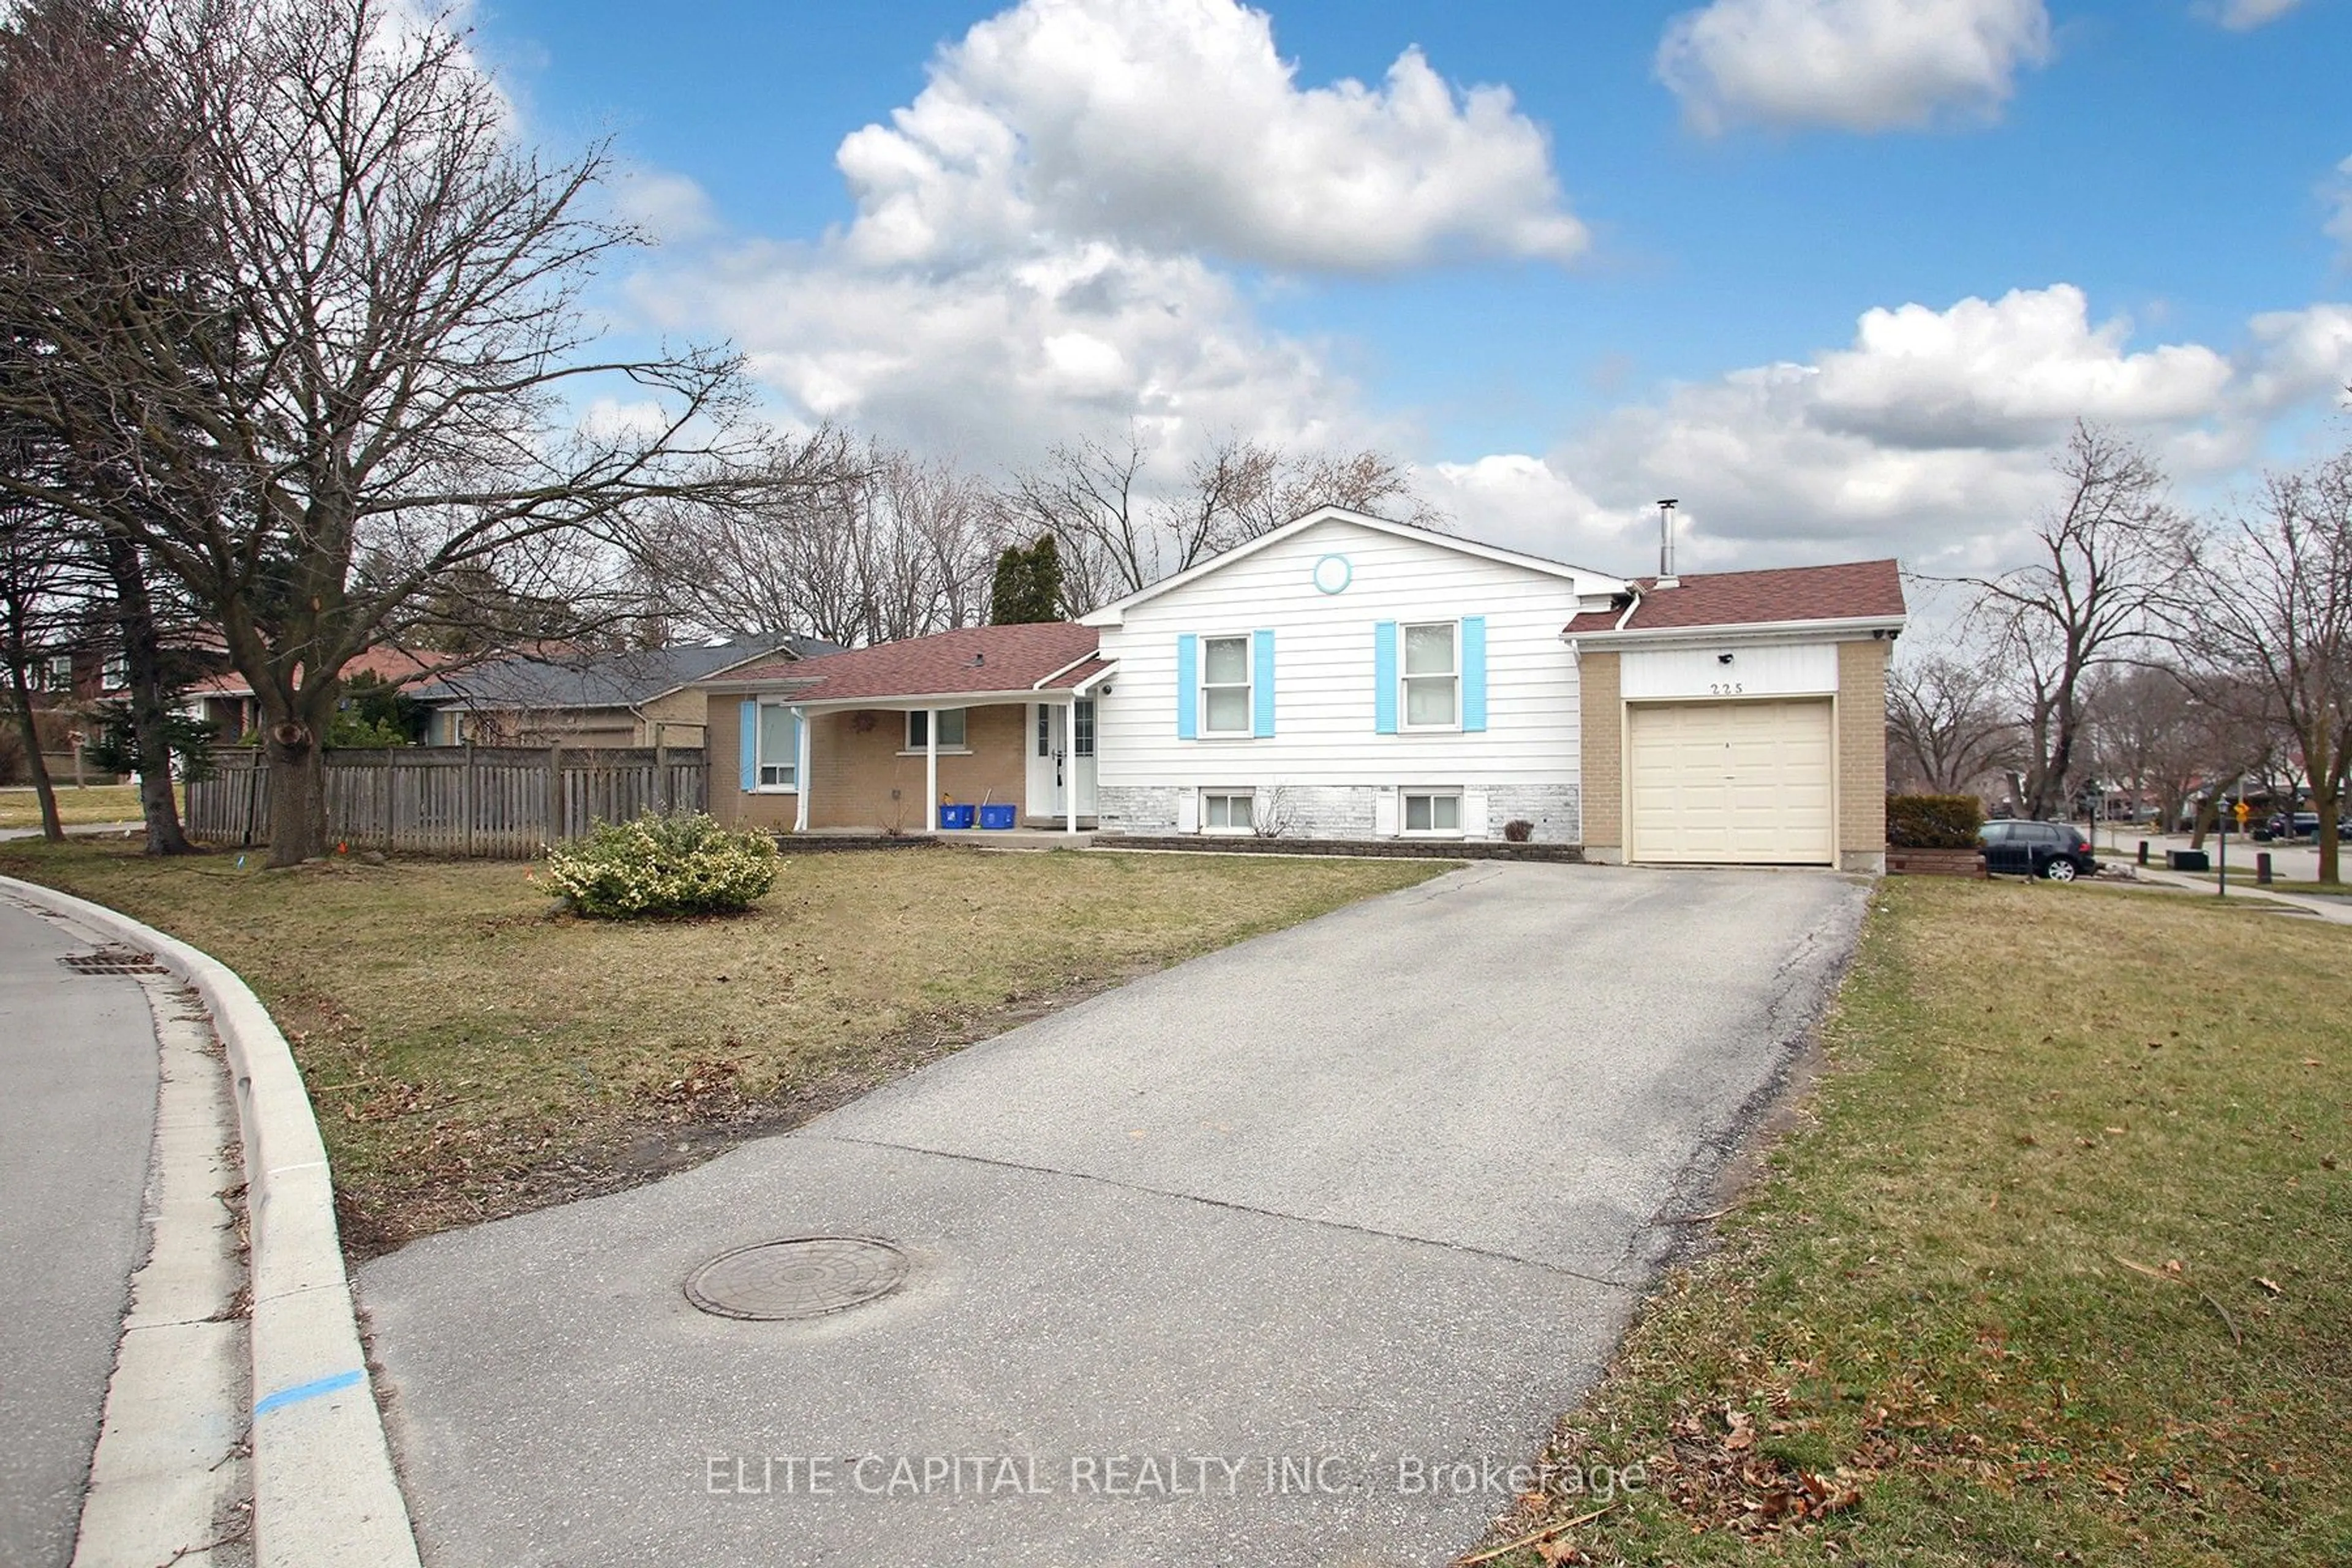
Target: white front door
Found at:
x=1062, y=757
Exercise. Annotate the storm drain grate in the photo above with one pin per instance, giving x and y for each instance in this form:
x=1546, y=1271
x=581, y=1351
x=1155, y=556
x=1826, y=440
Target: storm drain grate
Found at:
x=112, y=960
x=803, y=1277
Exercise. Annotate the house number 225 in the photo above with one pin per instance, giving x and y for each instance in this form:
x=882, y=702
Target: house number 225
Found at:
x=1726, y=688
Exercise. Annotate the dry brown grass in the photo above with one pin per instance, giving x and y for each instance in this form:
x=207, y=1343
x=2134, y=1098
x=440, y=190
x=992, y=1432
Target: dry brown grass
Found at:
x=471, y=1054
x=20, y=807
x=2056, y=1274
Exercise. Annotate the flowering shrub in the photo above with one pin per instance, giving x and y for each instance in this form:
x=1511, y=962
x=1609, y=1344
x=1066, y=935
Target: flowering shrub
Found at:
x=663, y=865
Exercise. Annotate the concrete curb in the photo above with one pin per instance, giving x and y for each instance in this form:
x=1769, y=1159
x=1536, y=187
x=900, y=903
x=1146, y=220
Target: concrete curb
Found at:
x=324, y=1494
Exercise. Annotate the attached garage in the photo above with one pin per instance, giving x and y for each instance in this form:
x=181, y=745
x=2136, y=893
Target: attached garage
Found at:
x=1739, y=718
x=1746, y=783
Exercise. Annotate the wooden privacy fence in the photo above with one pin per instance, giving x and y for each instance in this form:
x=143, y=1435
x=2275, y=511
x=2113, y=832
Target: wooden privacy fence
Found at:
x=500, y=802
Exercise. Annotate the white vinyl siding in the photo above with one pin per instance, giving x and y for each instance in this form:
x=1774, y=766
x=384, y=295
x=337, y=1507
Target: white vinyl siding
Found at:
x=1328, y=734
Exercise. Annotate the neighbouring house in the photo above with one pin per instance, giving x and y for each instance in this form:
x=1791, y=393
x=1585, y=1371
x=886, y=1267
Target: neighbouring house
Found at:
x=639, y=696
x=227, y=700
x=1347, y=676
x=879, y=738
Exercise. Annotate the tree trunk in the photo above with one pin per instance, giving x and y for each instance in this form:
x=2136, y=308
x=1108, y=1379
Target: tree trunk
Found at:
x=297, y=794
x=2330, y=807
x=150, y=711
x=52, y=825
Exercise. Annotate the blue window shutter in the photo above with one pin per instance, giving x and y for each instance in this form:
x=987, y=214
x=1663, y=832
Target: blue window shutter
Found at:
x=1384, y=677
x=1474, y=672
x=747, y=734
x=1261, y=683
x=1188, y=687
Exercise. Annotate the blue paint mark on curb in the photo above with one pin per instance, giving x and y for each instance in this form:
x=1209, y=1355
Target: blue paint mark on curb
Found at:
x=302, y=1390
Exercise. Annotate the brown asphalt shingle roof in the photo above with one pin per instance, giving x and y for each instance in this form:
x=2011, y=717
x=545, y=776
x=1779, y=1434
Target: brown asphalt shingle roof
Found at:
x=1852, y=590
x=975, y=659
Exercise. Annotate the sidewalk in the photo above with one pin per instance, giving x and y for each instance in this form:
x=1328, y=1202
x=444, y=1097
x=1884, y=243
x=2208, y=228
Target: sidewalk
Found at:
x=2335, y=910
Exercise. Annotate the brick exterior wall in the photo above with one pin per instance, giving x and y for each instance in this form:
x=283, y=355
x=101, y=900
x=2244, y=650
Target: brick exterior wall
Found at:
x=1862, y=755
x=1602, y=743
x=857, y=777
x=1341, y=811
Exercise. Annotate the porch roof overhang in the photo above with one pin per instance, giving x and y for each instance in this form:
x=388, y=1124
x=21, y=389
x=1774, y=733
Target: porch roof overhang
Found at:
x=1067, y=684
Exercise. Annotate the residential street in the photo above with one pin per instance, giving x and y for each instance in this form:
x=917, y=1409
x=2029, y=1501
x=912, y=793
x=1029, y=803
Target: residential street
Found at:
x=76, y=1116
x=1383, y=1186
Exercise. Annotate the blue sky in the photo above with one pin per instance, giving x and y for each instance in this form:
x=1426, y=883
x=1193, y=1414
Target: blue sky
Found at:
x=1645, y=273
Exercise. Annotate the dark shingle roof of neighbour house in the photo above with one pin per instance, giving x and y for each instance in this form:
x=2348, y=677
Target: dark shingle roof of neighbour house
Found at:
x=604, y=680
x=976, y=660
x=1849, y=591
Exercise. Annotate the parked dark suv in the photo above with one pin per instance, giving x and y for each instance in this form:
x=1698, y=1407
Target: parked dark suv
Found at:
x=2053, y=849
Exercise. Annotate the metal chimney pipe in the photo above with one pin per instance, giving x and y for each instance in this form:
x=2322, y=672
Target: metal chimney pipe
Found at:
x=1666, y=536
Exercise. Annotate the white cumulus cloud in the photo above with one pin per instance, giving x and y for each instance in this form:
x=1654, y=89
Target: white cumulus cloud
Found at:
x=1855, y=65
x=1928, y=435
x=2243, y=15
x=1175, y=124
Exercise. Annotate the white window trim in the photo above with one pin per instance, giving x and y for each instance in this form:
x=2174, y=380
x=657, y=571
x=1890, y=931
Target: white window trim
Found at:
x=1229, y=794
x=907, y=731
x=1408, y=793
x=1404, y=681
x=759, y=763
x=1248, y=688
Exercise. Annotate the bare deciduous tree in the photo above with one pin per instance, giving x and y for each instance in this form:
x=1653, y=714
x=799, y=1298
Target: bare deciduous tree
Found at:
x=330, y=314
x=854, y=545
x=2152, y=733
x=2104, y=558
x=1945, y=724
x=2280, y=622
x=1119, y=531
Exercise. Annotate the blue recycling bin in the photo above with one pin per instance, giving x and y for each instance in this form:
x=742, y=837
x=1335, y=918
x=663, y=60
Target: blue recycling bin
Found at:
x=956, y=815
x=997, y=817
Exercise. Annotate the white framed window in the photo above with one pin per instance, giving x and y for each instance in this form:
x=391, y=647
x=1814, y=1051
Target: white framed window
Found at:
x=1224, y=686
x=1432, y=811
x=1082, y=726
x=951, y=729
x=1432, y=676
x=116, y=675
x=1224, y=811
x=1045, y=731
x=779, y=748
x=59, y=676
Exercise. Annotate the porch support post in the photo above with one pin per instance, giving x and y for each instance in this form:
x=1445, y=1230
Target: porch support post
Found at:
x=1070, y=763
x=801, y=772
x=931, y=769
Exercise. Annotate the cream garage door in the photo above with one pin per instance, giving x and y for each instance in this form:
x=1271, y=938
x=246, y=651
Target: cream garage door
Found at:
x=1732, y=781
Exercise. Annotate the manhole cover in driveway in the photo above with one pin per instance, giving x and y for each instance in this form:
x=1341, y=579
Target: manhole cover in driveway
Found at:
x=805, y=1277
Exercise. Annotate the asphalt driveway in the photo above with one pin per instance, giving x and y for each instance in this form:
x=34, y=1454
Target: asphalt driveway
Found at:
x=1208, y=1269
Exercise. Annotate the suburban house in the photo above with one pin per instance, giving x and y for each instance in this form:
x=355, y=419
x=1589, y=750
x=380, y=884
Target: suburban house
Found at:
x=880, y=738
x=637, y=696
x=1347, y=677
x=226, y=701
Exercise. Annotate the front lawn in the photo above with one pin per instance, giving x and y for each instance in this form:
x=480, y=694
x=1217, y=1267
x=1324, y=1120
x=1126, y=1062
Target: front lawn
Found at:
x=471, y=1055
x=21, y=808
x=2054, y=1270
